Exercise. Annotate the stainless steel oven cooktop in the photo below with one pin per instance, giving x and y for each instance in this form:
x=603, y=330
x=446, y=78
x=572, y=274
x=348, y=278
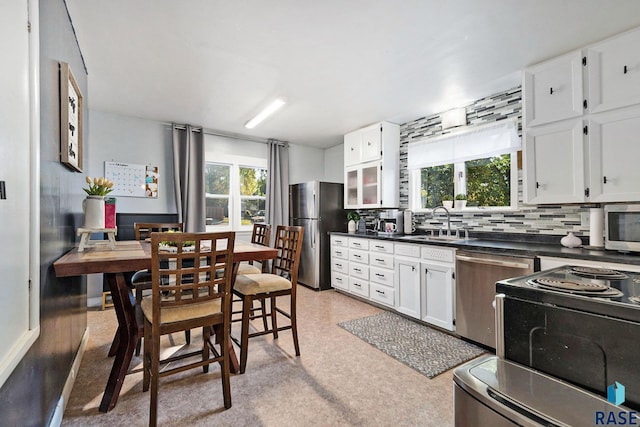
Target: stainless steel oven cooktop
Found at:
x=608, y=292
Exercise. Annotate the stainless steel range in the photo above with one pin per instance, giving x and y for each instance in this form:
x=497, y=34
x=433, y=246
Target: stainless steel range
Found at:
x=574, y=329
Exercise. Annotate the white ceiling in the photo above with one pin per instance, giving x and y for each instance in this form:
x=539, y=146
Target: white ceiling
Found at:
x=339, y=64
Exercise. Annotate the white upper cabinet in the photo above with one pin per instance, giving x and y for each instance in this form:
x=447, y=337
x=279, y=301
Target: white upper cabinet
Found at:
x=554, y=161
x=614, y=72
x=366, y=144
x=553, y=90
x=352, y=148
x=614, y=150
x=584, y=153
x=371, y=158
x=371, y=140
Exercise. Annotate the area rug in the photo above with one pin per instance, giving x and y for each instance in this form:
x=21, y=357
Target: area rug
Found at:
x=426, y=350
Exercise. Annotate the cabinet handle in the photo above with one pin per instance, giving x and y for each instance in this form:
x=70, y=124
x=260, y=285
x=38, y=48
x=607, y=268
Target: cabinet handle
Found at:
x=357, y=284
x=550, y=91
x=358, y=270
x=537, y=184
x=413, y=268
x=625, y=69
x=379, y=260
x=380, y=292
x=604, y=179
x=338, y=265
x=379, y=275
x=379, y=247
x=357, y=256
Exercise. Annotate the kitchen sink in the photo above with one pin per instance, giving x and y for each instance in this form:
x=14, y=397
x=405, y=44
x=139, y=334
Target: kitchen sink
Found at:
x=425, y=238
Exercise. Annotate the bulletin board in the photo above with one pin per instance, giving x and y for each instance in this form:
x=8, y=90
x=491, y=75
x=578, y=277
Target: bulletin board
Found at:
x=132, y=180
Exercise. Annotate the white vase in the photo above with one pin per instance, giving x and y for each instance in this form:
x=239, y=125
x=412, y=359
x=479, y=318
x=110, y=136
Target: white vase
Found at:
x=460, y=204
x=351, y=226
x=447, y=204
x=571, y=241
x=93, y=208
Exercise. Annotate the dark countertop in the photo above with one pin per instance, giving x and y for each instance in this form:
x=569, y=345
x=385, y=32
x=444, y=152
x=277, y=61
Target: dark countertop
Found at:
x=514, y=245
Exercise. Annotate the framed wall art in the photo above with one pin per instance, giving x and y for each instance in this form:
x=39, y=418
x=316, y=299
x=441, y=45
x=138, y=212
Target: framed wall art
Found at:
x=71, y=103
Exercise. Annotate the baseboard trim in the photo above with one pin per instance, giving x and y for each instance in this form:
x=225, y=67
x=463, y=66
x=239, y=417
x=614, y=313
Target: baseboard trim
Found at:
x=56, y=419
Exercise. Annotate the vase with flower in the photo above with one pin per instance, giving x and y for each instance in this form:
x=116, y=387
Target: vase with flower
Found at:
x=93, y=204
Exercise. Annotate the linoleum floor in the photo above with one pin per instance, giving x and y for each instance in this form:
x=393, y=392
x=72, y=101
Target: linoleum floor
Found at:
x=339, y=380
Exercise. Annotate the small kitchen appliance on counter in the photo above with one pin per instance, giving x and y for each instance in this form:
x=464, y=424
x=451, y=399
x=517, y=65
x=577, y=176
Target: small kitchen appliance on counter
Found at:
x=569, y=334
x=391, y=222
x=622, y=227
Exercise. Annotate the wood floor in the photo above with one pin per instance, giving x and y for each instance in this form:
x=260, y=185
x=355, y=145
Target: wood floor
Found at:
x=339, y=380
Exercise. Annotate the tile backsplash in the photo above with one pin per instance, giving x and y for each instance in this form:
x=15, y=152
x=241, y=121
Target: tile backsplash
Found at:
x=557, y=220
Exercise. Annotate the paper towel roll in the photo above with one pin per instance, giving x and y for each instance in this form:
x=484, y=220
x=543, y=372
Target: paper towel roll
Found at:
x=596, y=227
x=409, y=226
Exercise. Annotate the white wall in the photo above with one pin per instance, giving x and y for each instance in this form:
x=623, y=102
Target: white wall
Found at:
x=305, y=164
x=117, y=138
x=334, y=164
x=15, y=167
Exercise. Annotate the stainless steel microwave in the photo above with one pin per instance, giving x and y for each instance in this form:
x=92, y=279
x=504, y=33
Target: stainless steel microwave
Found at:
x=622, y=227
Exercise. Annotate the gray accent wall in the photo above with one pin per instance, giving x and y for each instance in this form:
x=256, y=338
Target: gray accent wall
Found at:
x=30, y=395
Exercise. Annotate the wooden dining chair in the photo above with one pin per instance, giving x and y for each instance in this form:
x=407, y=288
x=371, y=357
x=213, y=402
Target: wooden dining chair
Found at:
x=260, y=235
x=140, y=281
x=191, y=288
x=281, y=282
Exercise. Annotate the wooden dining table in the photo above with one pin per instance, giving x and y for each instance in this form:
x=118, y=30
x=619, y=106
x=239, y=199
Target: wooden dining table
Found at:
x=131, y=256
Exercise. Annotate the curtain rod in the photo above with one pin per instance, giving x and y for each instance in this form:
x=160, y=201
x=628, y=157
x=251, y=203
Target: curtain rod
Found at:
x=228, y=135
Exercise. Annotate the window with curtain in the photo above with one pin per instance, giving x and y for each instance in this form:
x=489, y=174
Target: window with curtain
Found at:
x=480, y=163
x=235, y=192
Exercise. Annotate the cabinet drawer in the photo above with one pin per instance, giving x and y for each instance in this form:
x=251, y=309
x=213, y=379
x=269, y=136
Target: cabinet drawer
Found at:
x=381, y=246
x=342, y=253
x=359, y=243
x=339, y=280
x=381, y=294
x=359, y=270
x=340, y=265
x=381, y=260
x=407, y=250
x=359, y=256
x=381, y=276
x=339, y=241
x=359, y=287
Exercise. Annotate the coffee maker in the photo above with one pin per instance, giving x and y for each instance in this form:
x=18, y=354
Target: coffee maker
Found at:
x=390, y=222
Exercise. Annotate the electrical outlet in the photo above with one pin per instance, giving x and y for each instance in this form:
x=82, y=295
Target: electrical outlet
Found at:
x=3, y=191
x=584, y=219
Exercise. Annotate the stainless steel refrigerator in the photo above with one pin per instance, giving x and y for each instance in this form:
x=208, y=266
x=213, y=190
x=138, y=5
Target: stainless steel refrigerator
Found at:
x=318, y=207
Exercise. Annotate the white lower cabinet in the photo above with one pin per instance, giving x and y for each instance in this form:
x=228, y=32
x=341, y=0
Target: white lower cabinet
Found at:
x=359, y=287
x=439, y=290
x=382, y=294
x=408, y=286
x=339, y=280
x=416, y=280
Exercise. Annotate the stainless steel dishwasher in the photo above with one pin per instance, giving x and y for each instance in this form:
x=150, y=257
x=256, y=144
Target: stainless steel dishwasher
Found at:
x=476, y=277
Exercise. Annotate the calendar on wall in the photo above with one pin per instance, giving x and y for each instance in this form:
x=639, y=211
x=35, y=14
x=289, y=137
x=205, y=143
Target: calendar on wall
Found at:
x=131, y=180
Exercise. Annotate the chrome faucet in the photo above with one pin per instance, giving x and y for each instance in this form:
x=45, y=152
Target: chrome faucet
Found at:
x=448, y=217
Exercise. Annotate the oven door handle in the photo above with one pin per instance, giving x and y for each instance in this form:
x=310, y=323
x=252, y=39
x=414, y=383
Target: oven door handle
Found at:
x=498, y=304
x=492, y=262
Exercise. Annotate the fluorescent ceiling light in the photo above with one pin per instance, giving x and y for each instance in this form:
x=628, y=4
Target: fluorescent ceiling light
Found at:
x=271, y=108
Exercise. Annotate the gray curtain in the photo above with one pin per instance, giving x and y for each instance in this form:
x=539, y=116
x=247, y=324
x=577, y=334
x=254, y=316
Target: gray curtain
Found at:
x=188, y=167
x=277, y=184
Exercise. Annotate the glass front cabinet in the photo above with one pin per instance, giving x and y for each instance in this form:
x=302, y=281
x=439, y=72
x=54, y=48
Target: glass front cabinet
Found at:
x=371, y=160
